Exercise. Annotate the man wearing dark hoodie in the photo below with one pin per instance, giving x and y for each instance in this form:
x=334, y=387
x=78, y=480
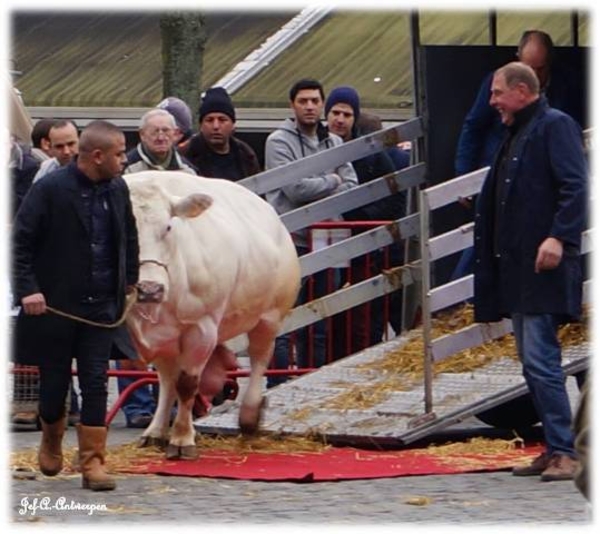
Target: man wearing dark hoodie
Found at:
x=296, y=138
x=342, y=111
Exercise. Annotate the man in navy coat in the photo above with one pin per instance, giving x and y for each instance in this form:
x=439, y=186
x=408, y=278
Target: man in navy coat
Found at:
x=530, y=216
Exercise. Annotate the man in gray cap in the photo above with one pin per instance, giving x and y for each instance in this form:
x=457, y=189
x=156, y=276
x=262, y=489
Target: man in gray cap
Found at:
x=214, y=151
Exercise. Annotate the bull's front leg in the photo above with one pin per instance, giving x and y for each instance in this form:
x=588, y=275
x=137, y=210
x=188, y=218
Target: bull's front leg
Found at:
x=157, y=433
x=197, y=344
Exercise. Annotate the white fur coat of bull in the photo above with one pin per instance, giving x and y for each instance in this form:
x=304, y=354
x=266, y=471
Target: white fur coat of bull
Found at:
x=215, y=262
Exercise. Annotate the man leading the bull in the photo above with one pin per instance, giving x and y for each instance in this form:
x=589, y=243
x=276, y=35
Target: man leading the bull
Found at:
x=528, y=224
x=75, y=248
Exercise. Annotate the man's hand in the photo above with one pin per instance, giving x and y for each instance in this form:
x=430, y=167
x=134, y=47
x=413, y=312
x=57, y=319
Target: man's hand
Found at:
x=466, y=202
x=549, y=254
x=34, y=304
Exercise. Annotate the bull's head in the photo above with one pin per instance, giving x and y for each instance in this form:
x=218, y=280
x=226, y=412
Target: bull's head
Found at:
x=158, y=215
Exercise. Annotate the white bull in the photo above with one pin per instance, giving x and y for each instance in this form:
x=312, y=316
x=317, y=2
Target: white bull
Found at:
x=217, y=262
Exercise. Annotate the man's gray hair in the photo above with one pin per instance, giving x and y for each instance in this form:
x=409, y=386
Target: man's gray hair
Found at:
x=516, y=72
x=156, y=113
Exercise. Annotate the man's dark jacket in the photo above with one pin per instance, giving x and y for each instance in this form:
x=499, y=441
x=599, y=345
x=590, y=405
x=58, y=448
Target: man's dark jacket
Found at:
x=245, y=157
x=545, y=195
x=52, y=254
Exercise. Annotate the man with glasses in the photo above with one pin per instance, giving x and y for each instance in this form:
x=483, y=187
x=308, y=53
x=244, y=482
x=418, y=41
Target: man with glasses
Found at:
x=156, y=149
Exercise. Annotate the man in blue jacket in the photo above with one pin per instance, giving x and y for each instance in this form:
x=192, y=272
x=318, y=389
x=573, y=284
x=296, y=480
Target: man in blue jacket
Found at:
x=530, y=215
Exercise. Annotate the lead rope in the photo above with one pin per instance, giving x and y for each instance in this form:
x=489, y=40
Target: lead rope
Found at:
x=130, y=300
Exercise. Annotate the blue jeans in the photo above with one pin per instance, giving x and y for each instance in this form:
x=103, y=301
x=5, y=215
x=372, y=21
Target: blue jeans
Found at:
x=464, y=266
x=140, y=401
x=540, y=353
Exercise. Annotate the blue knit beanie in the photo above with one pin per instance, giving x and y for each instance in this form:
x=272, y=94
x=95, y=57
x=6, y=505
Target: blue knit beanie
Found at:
x=343, y=95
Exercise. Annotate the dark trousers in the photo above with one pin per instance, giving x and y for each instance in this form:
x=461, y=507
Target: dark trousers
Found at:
x=90, y=346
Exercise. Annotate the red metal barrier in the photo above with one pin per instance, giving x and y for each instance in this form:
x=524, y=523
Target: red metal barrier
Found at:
x=352, y=330
x=201, y=405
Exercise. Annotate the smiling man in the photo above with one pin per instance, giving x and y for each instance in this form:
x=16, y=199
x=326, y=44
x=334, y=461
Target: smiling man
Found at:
x=530, y=216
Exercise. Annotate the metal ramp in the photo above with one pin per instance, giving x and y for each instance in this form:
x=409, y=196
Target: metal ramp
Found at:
x=417, y=407
x=303, y=405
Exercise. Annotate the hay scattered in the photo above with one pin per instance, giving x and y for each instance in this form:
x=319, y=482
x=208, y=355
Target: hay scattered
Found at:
x=403, y=369
x=474, y=454
x=418, y=500
x=477, y=445
x=123, y=457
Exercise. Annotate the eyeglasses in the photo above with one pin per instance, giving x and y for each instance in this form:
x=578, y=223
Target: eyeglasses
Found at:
x=154, y=133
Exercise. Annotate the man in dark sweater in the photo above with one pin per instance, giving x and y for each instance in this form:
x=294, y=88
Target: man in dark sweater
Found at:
x=214, y=151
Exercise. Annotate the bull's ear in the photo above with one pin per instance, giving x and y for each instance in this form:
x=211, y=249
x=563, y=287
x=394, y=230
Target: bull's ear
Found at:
x=192, y=205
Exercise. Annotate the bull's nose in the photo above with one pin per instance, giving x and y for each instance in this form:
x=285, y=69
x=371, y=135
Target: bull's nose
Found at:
x=149, y=291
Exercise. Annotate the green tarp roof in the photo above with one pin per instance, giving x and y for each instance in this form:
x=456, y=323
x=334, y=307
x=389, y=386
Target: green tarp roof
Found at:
x=97, y=59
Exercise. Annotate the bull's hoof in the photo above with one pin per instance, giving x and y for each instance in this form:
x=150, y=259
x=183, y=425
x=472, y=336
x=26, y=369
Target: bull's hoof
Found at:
x=152, y=441
x=250, y=418
x=176, y=452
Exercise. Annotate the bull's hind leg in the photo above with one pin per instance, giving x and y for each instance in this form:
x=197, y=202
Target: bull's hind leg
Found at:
x=261, y=342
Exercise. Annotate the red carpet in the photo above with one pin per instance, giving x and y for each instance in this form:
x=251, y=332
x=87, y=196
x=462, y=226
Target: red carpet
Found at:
x=333, y=464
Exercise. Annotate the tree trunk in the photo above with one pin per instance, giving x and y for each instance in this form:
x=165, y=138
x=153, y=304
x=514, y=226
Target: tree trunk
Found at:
x=183, y=37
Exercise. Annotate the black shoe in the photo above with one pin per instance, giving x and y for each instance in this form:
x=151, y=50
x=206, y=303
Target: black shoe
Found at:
x=139, y=421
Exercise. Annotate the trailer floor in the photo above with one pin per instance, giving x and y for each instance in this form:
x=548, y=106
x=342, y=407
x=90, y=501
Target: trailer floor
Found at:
x=303, y=405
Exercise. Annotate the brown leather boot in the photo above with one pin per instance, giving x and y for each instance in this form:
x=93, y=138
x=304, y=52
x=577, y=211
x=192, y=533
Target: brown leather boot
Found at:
x=560, y=467
x=535, y=468
x=92, y=452
x=50, y=455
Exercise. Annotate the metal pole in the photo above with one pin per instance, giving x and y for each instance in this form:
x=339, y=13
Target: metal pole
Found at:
x=493, y=27
x=410, y=297
x=425, y=304
x=575, y=28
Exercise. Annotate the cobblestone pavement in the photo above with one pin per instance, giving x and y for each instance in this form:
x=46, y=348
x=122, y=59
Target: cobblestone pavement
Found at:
x=466, y=499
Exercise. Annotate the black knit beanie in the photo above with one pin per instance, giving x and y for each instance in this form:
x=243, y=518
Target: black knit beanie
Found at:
x=216, y=100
